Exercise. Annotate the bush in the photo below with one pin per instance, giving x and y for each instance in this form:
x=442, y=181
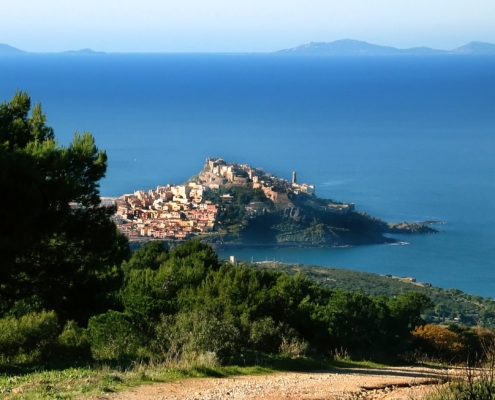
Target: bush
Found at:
x=29, y=338
x=197, y=331
x=264, y=335
x=113, y=336
x=438, y=342
x=73, y=343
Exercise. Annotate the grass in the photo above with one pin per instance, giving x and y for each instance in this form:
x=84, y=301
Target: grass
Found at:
x=64, y=381
x=72, y=382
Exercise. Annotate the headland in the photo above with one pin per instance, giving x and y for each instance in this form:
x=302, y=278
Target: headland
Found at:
x=236, y=205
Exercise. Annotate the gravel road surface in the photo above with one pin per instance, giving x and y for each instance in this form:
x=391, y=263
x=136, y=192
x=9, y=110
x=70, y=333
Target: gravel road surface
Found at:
x=407, y=383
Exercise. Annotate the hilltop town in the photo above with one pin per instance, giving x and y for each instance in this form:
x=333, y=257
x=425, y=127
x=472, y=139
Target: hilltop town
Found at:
x=230, y=202
x=181, y=211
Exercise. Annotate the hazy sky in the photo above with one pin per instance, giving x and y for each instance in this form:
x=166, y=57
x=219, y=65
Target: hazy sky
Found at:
x=240, y=25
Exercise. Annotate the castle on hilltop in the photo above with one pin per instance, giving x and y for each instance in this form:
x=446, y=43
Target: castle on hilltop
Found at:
x=217, y=172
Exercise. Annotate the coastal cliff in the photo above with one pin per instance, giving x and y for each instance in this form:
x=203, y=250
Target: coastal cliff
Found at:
x=306, y=227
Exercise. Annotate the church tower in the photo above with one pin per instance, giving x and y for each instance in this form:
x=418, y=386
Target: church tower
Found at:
x=294, y=177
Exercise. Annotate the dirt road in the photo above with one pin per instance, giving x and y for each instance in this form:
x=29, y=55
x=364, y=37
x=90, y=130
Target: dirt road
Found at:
x=388, y=383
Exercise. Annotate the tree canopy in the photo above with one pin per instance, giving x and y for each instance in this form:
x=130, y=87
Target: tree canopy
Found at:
x=59, y=245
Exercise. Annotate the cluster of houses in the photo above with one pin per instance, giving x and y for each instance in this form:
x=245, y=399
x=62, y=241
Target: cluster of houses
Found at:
x=178, y=211
x=173, y=212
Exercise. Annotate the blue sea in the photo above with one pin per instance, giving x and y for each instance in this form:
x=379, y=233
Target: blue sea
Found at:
x=405, y=138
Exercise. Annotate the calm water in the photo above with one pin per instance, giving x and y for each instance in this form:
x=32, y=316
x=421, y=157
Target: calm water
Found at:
x=404, y=138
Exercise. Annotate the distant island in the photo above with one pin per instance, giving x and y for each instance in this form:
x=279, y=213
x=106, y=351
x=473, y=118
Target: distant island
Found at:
x=6, y=49
x=344, y=47
x=348, y=47
x=236, y=205
x=83, y=51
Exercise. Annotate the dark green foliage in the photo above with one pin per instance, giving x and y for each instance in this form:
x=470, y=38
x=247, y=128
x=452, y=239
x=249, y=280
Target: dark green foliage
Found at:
x=188, y=302
x=408, y=307
x=352, y=321
x=113, y=336
x=150, y=256
x=73, y=343
x=242, y=195
x=192, y=303
x=197, y=251
x=29, y=338
x=264, y=335
x=448, y=303
x=199, y=331
x=260, y=229
x=53, y=254
x=149, y=292
x=234, y=216
x=36, y=337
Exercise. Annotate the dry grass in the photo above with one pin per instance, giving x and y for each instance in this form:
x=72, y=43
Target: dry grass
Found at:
x=474, y=381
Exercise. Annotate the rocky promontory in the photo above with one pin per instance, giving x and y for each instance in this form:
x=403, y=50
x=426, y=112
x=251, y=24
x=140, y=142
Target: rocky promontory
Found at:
x=412, y=227
x=230, y=204
x=260, y=210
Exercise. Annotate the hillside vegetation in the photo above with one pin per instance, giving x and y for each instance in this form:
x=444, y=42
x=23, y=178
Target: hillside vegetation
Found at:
x=186, y=301
x=451, y=305
x=251, y=219
x=72, y=293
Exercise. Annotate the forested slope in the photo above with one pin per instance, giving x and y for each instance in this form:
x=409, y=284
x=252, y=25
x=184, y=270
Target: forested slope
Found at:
x=449, y=304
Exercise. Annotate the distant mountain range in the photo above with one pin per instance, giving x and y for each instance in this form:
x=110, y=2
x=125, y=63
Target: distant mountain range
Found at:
x=83, y=51
x=345, y=47
x=6, y=49
x=348, y=47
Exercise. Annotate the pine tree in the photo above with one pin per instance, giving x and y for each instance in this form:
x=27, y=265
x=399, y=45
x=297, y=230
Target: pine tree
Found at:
x=59, y=247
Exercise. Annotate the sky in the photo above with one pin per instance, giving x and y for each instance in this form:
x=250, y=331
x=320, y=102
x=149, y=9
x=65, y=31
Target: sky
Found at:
x=240, y=25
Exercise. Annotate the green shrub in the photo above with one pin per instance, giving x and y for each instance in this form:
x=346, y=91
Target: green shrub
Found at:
x=29, y=338
x=197, y=331
x=264, y=335
x=113, y=336
x=73, y=343
x=208, y=332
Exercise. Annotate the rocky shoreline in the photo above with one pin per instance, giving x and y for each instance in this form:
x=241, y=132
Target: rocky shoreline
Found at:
x=414, y=227
x=392, y=228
